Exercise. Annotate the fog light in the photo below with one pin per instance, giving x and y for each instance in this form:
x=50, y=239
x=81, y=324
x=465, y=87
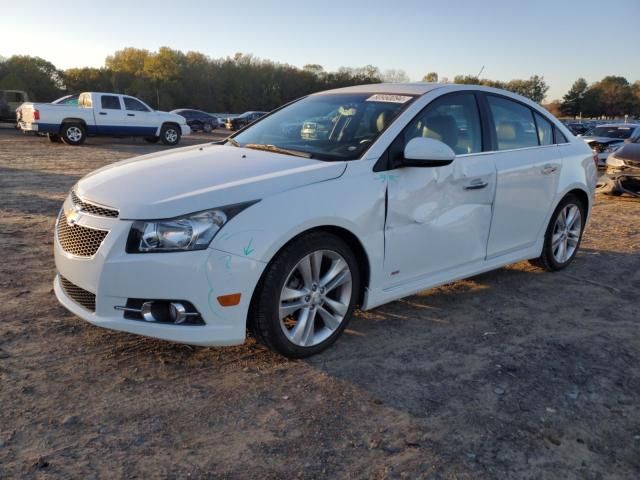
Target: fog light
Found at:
x=177, y=312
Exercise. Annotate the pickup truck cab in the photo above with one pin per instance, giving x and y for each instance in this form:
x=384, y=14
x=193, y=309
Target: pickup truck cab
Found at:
x=106, y=114
x=9, y=101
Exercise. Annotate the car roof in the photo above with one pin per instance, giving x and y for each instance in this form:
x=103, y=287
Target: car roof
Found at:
x=417, y=88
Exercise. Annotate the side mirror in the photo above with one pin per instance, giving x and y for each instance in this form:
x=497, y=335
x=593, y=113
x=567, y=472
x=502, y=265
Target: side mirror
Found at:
x=427, y=152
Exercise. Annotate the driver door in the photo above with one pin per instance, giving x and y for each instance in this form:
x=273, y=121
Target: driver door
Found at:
x=438, y=218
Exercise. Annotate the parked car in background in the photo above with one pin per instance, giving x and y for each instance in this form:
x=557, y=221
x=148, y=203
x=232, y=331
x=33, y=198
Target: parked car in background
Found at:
x=623, y=171
x=10, y=100
x=578, y=128
x=198, y=120
x=285, y=232
x=241, y=121
x=108, y=114
x=606, y=139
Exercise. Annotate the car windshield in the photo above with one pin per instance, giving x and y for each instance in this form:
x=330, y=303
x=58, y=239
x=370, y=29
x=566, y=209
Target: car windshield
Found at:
x=610, y=132
x=325, y=127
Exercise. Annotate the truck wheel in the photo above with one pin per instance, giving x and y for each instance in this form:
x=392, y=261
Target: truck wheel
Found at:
x=53, y=138
x=151, y=139
x=73, y=134
x=170, y=134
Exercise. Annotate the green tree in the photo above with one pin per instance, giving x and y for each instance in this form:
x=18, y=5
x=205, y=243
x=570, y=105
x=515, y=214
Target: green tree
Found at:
x=573, y=102
x=38, y=77
x=431, y=77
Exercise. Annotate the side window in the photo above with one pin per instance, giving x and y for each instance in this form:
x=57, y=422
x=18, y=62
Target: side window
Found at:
x=110, y=102
x=545, y=130
x=560, y=138
x=452, y=119
x=134, y=105
x=513, y=122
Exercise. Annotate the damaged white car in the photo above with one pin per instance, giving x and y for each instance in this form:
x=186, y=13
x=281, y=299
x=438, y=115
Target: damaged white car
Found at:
x=398, y=189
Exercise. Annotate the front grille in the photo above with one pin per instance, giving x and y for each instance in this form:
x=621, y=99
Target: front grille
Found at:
x=77, y=240
x=92, y=208
x=79, y=295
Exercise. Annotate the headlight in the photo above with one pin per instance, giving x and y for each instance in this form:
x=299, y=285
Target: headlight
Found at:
x=611, y=148
x=190, y=232
x=615, y=162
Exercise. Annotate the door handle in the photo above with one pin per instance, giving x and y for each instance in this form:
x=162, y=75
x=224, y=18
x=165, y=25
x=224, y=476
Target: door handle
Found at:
x=131, y=114
x=103, y=113
x=548, y=169
x=476, y=184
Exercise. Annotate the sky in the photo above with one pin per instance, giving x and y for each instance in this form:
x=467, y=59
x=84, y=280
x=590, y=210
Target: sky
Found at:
x=560, y=39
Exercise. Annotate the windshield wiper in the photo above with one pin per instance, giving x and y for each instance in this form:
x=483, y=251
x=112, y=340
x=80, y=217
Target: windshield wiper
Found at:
x=233, y=142
x=274, y=149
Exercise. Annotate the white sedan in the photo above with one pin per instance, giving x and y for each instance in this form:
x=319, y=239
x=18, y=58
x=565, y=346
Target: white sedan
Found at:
x=400, y=188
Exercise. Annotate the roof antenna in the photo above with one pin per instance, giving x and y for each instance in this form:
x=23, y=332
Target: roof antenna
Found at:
x=480, y=72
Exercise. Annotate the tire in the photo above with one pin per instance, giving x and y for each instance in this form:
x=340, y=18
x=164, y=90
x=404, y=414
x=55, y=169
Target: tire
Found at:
x=207, y=128
x=151, y=139
x=553, y=258
x=170, y=134
x=53, y=138
x=328, y=297
x=73, y=134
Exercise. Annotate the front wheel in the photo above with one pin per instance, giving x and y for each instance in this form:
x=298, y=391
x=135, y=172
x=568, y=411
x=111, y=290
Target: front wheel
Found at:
x=207, y=128
x=563, y=235
x=170, y=134
x=307, y=295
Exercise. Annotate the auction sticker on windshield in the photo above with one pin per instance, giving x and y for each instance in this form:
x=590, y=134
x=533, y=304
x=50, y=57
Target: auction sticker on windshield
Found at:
x=380, y=97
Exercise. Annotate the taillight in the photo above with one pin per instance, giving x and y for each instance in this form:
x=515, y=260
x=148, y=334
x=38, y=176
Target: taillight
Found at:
x=36, y=115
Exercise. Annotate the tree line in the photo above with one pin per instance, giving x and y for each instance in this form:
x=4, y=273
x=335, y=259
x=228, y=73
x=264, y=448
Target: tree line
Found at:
x=168, y=79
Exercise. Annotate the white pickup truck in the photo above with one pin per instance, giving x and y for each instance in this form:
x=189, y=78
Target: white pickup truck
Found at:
x=107, y=114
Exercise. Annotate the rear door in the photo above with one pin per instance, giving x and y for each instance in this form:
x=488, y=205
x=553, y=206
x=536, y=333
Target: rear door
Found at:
x=110, y=116
x=139, y=119
x=528, y=165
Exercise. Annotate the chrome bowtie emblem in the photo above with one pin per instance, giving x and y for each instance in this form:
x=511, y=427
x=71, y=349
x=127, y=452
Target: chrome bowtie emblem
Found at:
x=74, y=215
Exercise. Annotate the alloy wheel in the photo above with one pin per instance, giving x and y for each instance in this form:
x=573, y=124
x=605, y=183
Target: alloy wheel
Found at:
x=315, y=298
x=566, y=233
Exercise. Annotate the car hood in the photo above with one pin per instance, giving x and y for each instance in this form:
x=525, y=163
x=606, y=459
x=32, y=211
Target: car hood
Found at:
x=602, y=140
x=185, y=180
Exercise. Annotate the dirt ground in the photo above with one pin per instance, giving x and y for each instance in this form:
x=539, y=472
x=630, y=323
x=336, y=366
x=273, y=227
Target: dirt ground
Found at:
x=511, y=374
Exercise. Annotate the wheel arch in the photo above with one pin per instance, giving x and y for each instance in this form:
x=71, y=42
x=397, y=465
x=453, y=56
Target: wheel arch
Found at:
x=364, y=262
x=68, y=120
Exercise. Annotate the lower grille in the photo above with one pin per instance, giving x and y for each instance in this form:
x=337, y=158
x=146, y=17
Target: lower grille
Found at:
x=78, y=240
x=79, y=295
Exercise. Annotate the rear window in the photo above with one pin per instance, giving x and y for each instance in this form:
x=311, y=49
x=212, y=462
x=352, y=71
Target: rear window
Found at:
x=110, y=102
x=513, y=123
x=560, y=138
x=611, y=132
x=545, y=130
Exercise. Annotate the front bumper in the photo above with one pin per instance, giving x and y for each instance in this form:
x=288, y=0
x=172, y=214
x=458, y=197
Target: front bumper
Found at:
x=186, y=129
x=618, y=180
x=198, y=277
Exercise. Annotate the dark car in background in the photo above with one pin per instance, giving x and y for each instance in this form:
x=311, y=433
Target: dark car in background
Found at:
x=241, y=121
x=198, y=120
x=606, y=139
x=623, y=171
x=578, y=128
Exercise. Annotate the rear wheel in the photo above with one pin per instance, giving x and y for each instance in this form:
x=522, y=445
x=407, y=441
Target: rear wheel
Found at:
x=73, y=134
x=307, y=295
x=207, y=128
x=170, y=134
x=563, y=235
